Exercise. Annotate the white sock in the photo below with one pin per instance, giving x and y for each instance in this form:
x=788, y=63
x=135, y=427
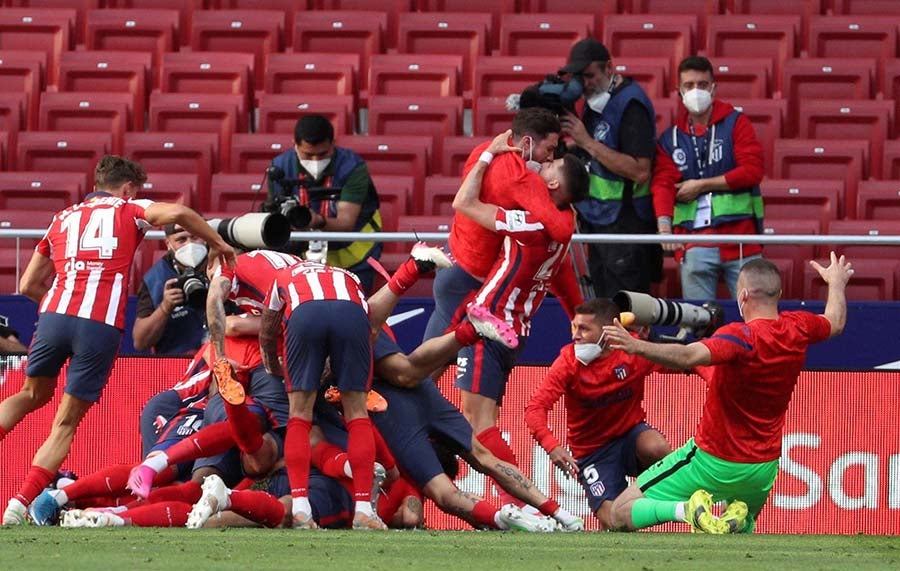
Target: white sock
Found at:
x=365, y=508
x=564, y=517
x=347, y=470
x=531, y=510
x=500, y=523
x=16, y=505
x=301, y=505
x=158, y=462
x=61, y=498
x=680, y=513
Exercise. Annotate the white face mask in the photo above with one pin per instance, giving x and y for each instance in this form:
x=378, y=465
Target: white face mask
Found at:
x=190, y=255
x=530, y=163
x=585, y=353
x=597, y=102
x=697, y=100
x=315, y=168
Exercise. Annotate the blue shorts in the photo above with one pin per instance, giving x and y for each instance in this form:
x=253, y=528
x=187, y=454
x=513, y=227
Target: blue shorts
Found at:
x=384, y=346
x=332, y=505
x=162, y=406
x=91, y=345
x=277, y=483
x=267, y=393
x=179, y=427
x=453, y=287
x=331, y=422
x=602, y=474
x=484, y=368
x=413, y=416
x=337, y=329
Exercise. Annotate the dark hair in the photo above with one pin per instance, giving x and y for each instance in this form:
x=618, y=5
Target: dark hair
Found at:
x=313, y=129
x=696, y=63
x=575, y=177
x=603, y=309
x=535, y=121
x=113, y=171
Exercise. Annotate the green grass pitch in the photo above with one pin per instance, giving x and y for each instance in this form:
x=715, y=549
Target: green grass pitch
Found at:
x=132, y=549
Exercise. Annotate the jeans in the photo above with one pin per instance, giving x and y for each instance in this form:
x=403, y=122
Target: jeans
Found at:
x=700, y=270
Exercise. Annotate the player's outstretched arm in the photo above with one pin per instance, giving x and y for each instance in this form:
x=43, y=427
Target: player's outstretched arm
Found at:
x=836, y=275
x=162, y=213
x=219, y=288
x=34, y=281
x=671, y=355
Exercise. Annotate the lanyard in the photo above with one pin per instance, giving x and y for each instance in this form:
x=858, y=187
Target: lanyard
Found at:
x=701, y=167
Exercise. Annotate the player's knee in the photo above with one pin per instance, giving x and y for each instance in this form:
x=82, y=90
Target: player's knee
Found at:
x=38, y=393
x=604, y=515
x=619, y=516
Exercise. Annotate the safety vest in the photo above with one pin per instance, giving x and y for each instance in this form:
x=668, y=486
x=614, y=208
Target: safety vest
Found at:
x=185, y=331
x=716, y=157
x=607, y=188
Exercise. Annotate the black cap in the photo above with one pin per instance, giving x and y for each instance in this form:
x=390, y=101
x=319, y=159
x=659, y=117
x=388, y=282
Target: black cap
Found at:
x=583, y=53
x=172, y=229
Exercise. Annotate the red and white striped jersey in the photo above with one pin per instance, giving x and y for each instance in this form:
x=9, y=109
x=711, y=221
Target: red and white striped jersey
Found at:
x=252, y=277
x=92, y=245
x=310, y=281
x=529, y=259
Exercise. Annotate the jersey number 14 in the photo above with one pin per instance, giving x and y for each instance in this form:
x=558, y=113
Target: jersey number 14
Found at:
x=98, y=234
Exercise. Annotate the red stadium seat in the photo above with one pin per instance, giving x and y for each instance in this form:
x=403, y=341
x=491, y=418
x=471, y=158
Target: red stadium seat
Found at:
x=890, y=88
x=154, y=31
x=416, y=75
x=651, y=73
x=50, y=191
x=313, y=73
x=258, y=32
x=804, y=8
x=774, y=37
x=394, y=155
x=496, y=9
x=455, y=153
x=290, y=9
x=820, y=200
x=188, y=153
x=768, y=117
x=395, y=197
x=237, y=193
x=110, y=72
x=439, y=194
x=890, y=167
x=12, y=111
x=826, y=79
x=185, y=9
x=424, y=224
x=490, y=116
x=853, y=36
x=171, y=187
x=551, y=35
x=874, y=7
x=878, y=200
x=93, y=111
x=871, y=120
x=393, y=9
x=209, y=72
x=23, y=72
x=4, y=151
x=499, y=76
x=13, y=259
x=253, y=152
x=832, y=160
x=872, y=281
x=666, y=112
x=703, y=9
x=46, y=30
x=279, y=113
x=352, y=32
x=599, y=8
x=463, y=34
x=81, y=8
x=743, y=78
x=645, y=35
x=55, y=151
x=798, y=254
x=200, y=113
x=863, y=228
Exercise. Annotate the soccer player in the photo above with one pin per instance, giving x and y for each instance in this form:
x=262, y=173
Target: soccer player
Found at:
x=89, y=247
x=604, y=389
x=755, y=365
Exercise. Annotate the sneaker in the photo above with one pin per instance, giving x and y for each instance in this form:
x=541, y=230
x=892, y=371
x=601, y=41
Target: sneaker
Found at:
x=230, y=388
x=375, y=402
x=517, y=520
x=91, y=518
x=73, y=518
x=140, y=481
x=214, y=498
x=735, y=516
x=368, y=522
x=377, y=483
x=492, y=327
x=576, y=524
x=304, y=521
x=44, y=510
x=15, y=514
x=700, y=516
x=428, y=258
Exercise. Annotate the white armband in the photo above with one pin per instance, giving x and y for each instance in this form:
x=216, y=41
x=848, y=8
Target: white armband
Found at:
x=486, y=157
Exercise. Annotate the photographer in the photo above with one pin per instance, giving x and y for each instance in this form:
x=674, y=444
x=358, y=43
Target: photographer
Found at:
x=9, y=338
x=617, y=134
x=172, y=298
x=307, y=173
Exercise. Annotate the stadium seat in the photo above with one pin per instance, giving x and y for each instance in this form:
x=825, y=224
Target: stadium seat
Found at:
x=290, y=9
x=415, y=75
x=703, y=9
x=890, y=167
x=816, y=199
x=253, y=152
x=667, y=111
x=826, y=78
x=349, y=31
x=599, y=8
x=874, y=7
x=185, y=9
x=889, y=88
x=394, y=155
x=209, y=72
x=176, y=152
x=490, y=116
x=13, y=259
x=550, y=35
x=46, y=30
x=109, y=72
x=863, y=228
x=395, y=197
x=318, y=74
x=798, y=254
x=279, y=113
x=439, y=194
x=878, y=200
x=22, y=71
x=438, y=117
x=200, y=113
x=463, y=34
x=646, y=35
x=154, y=31
x=12, y=111
x=872, y=281
x=743, y=77
x=767, y=116
x=853, y=36
x=39, y=190
x=499, y=76
x=774, y=37
x=496, y=9
x=831, y=160
x=81, y=8
x=455, y=153
x=237, y=193
x=180, y=188
x=804, y=8
x=91, y=111
x=651, y=73
x=258, y=32
x=868, y=120
x=424, y=224
x=55, y=151
x=4, y=151
x=392, y=8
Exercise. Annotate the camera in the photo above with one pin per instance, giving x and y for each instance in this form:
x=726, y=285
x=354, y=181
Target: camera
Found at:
x=195, y=285
x=554, y=93
x=286, y=203
x=253, y=230
x=701, y=321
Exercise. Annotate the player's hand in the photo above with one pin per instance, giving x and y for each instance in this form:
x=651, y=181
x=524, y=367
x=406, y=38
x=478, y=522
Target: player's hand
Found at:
x=689, y=190
x=838, y=272
x=572, y=126
x=620, y=338
x=173, y=296
x=221, y=253
x=666, y=228
x=500, y=144
x=564, y=461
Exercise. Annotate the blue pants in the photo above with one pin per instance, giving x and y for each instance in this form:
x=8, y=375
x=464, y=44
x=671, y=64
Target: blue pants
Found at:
x=700, y=271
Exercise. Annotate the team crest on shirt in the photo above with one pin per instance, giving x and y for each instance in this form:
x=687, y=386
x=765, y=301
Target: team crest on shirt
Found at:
x=597, y=488
x=620, y=372
x=601, y=131
x=679, y=157
x=716, y=154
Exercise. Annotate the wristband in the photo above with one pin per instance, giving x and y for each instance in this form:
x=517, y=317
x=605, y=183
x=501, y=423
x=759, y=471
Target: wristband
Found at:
x=486, y=157
x=664, y=220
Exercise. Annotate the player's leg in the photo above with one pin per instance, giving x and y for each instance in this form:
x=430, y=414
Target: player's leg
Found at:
x=602, y=475
x=34, y=394
x=647, y=446
x=453, y=288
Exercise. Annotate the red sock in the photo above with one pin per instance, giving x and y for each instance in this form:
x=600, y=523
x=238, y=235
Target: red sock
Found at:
x=361, y=450
x=296, y=455
x=98, y=501
x=549, y=507
x=3, y=432
x=258, y=506
x=208, y=441
x=109, y=481
x=37, y=479
x=163, y=514
x=244, y=427
x=165, y=477
x=382, y=451
x=492, y=439
x=244, y=484
x=465, y=334
x=484, y=513
x=188, y=492
x=405, y=277
x=329, y=459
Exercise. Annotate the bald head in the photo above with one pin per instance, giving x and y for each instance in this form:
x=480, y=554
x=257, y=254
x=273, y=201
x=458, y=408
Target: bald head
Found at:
x=761, y=279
